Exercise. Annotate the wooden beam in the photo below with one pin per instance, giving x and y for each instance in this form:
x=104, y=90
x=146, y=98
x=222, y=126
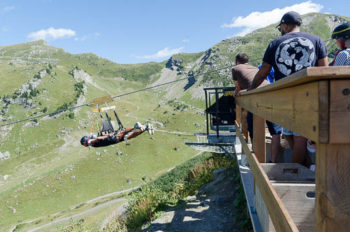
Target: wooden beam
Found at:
x=339, y=111
x=295, y=108
x=280, y=217
x=332, y=188
x=259, y=145
x=305, y=76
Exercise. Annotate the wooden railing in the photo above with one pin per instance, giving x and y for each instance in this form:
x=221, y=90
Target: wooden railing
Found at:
x=314, y=103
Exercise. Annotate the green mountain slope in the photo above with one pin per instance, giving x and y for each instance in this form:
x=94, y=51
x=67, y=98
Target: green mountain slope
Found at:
x=43, y=169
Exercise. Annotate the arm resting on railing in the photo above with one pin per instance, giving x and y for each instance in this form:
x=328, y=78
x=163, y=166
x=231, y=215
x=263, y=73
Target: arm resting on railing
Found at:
x=261, y=75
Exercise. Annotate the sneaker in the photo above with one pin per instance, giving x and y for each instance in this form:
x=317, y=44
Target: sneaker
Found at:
x=139, y=126
x=150, y=129
x=313, y=167
x=311, y=146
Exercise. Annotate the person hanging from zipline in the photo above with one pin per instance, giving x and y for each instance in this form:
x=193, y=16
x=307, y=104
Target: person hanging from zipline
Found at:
x=116, y=136
x=107, y=135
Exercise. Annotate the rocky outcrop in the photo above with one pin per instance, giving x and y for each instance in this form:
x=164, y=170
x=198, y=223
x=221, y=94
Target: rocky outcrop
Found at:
x=174, y=64
x=5, y=155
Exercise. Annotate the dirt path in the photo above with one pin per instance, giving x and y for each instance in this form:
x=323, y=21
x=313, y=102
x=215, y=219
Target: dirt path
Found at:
x=75, y=216
x=212, y=209
x=174, y=132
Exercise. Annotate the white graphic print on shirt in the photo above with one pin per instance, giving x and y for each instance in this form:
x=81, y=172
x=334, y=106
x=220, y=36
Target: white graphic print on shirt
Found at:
x=294, y=54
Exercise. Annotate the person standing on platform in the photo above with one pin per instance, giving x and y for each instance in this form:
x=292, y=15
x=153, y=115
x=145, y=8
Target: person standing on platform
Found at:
x=243, y=75
x=342, y=35
x=288, y=54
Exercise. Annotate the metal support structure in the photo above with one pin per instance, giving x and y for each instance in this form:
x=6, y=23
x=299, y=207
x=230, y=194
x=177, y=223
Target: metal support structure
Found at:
x=206, y=113
x=217, y=112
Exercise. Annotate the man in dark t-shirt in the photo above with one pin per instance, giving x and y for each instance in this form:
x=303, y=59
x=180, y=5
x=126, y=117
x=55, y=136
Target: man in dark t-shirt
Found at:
x=288, y=54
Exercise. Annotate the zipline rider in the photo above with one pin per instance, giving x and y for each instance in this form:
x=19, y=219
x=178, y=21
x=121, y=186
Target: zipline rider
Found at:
x=116, y=136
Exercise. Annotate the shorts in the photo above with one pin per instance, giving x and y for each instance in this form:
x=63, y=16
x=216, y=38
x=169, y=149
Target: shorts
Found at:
x=274, y=129
x=113, y=139
x=288, y=132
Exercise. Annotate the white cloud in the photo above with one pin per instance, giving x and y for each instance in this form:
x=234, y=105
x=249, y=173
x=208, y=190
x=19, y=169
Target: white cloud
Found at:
x=257, y=19
x=163, y=53
x=52, y=34
x=8, y=8
x=185, y=40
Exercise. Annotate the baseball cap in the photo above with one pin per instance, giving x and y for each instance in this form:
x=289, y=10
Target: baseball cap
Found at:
x=291, y=18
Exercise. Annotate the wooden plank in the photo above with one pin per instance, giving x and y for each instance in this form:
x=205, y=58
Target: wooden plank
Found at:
x=278, y=213
x=340, y=111
x=288, y=172
x=299, y=205
x=305, y=76
x=259, y=145
x=294, y=108
x=323, y=102
x=332, y=187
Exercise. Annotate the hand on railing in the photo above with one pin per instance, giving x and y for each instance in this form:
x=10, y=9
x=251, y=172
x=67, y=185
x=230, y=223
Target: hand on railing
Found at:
x=238, y=93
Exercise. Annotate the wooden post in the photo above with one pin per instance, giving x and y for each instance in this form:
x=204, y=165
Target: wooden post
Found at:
x=238, y=114
x=333, y=163
x=259, y=145
x=332, y=187
x=244, y=124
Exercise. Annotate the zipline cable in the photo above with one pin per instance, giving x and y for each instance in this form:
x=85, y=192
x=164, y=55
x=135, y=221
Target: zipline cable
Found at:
x=113, y=97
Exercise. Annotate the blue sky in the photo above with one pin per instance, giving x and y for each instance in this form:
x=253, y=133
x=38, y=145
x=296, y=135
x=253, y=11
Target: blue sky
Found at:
x=137, y=31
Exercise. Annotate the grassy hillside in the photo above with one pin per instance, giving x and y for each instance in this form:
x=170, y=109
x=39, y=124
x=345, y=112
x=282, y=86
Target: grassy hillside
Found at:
x=43, y=169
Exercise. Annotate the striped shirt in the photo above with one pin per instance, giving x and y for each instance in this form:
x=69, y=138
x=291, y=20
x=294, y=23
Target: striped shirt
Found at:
x=343, y=58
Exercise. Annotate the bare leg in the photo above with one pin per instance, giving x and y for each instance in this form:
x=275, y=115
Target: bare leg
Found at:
x=275, y=147
x=299, y=150
x=127, y=130
x=134, y=134
x=290, y=140
x=130, y=132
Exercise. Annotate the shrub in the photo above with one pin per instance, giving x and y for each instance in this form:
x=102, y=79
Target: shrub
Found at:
x=171, y=187
x=71, y=115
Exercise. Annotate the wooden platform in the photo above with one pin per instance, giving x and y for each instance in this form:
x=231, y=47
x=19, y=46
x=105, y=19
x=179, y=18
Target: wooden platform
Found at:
x=295, y=186
x=314, y=103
